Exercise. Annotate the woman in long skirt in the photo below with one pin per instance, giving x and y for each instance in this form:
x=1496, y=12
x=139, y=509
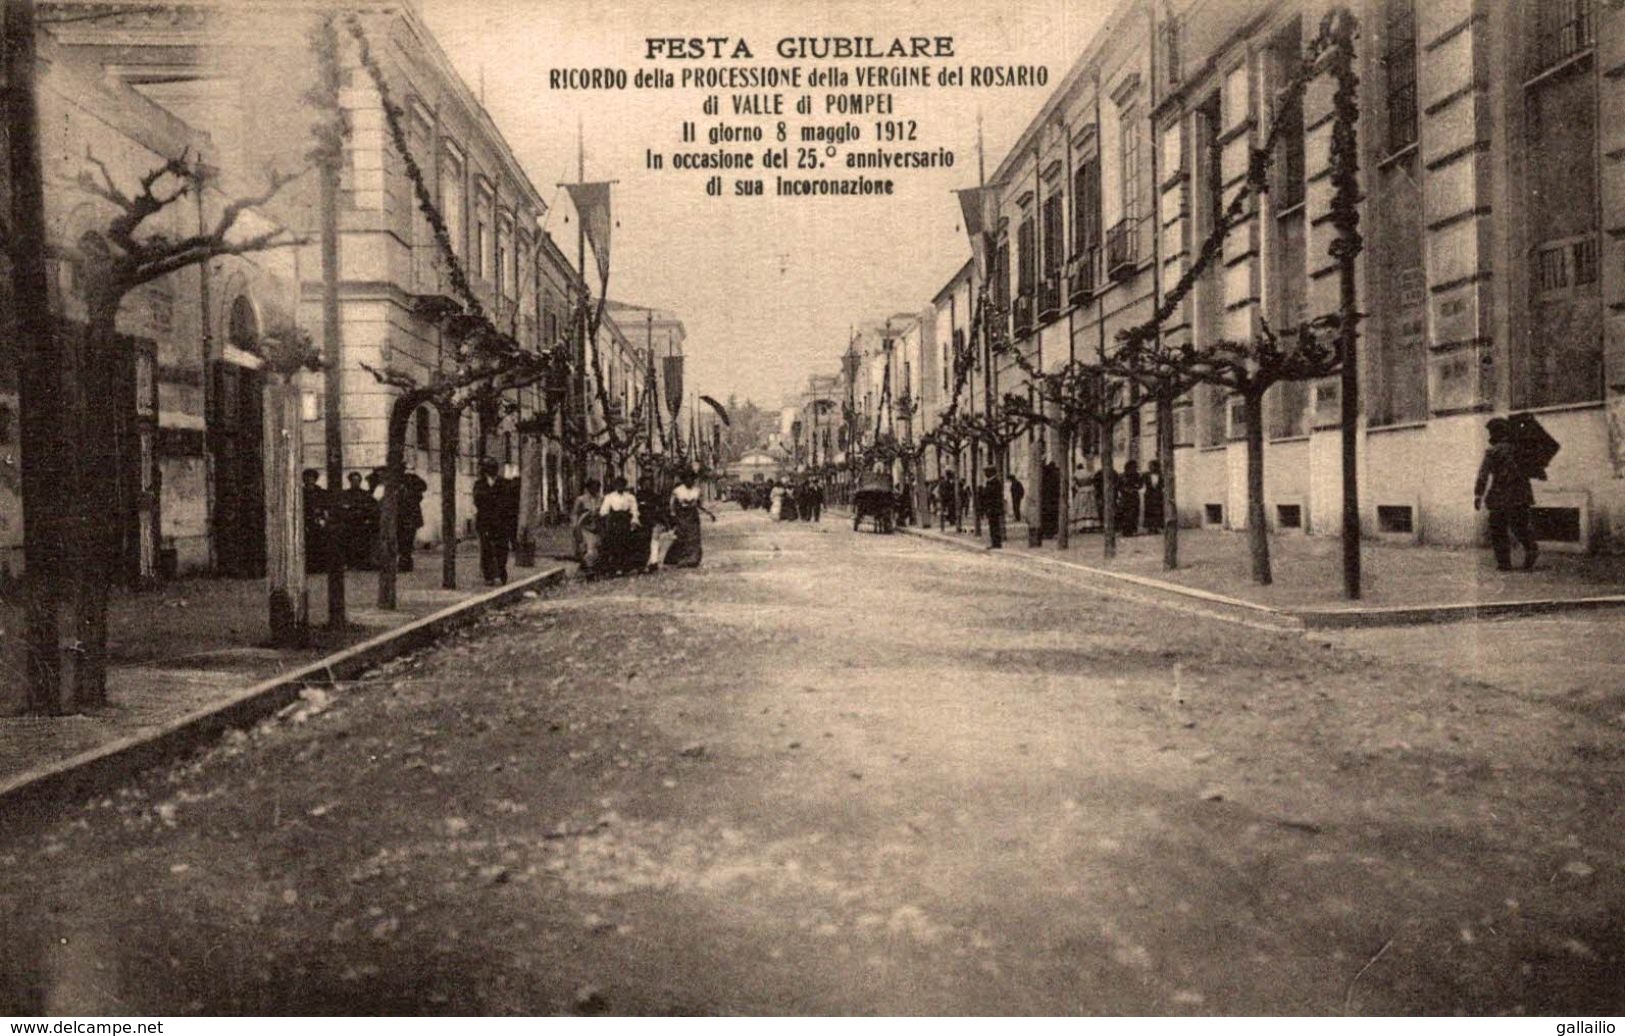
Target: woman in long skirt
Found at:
x=584, y=526
x=617, y=527
x=686, y=549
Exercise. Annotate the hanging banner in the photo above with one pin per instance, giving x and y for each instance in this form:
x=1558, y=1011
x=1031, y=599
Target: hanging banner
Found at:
x=979, y=206
x=591, y=201
x=672, y=370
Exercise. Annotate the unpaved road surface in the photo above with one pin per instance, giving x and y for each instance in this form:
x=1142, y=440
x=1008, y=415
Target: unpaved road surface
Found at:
x=839, y=773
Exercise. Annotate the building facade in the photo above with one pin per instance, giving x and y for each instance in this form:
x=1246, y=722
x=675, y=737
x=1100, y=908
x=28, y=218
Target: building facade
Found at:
x=239, y=74
x=1493, y=276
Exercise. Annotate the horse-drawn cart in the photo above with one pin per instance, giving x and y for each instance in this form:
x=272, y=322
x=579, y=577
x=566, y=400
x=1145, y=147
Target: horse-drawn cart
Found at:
x=876, y=502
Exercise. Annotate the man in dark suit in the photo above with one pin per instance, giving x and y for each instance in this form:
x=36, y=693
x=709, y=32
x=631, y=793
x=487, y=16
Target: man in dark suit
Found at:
x=1503, y=488
x=1018, y=492
x=491, y=523
x=991, y=501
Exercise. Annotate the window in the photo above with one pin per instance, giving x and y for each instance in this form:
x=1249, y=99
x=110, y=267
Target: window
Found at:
x=1026, y=274
x=1129, y=157
x=504, y=266
x=1001, y=274
x=243, y=325
x=1399, y=62
x=1287, y=54
x=1563, y=28
x=484, y=242
x=453, y=201
x=1560, y=357
x=1054, y=234
x=1086, y=207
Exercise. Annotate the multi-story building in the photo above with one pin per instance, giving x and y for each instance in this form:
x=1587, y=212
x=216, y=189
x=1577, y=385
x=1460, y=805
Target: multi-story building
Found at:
x=1492, y=157
x=240, y=73
x=188, y=480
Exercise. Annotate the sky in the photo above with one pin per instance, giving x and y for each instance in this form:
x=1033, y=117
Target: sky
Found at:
x=767, y=287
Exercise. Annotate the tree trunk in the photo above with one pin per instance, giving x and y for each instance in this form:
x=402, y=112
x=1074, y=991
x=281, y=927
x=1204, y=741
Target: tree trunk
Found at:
x=286, y=594
x=449, y=432
x=1108, y=490
x=972, y=477
x=1170, y=503
x=1258, y=533
x=389, y=514
x=532, y=483
x=333, y=376
x=1063, y=447
x=89, y=365
x=1035, y=484
x=40, y=435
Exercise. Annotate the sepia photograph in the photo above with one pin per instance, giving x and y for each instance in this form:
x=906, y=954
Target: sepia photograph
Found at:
x=810, y=509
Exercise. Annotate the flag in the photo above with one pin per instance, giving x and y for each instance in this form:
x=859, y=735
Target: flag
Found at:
x=722, y=411
x=979, y=206
x=673, y=371
x=591, y=201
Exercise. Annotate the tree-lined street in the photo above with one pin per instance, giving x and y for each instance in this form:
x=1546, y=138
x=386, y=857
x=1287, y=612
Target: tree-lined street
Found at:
x=837, y=772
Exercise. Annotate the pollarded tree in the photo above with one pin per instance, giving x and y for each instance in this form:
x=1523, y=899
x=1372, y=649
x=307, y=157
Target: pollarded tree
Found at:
x=1250, y=369
x=126, y=253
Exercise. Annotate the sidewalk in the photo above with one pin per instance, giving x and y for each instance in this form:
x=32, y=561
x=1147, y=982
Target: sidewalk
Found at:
x=197, y=642
x=1399, y=584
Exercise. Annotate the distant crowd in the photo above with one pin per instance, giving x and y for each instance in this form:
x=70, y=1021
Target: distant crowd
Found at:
x=785, y=500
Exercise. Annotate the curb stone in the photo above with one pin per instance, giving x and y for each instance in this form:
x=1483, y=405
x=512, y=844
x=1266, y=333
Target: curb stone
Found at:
x=1219, y=606
x=36, y=791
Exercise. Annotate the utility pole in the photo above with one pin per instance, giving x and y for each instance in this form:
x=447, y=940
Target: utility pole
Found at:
x=581, y=315
x=37, y=389
x=332, y=346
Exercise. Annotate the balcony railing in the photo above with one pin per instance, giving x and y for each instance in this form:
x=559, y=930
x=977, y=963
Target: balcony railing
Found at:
x=1049, y=297
x=1024, y=315
x=1564, y=28
x=998, y=327
x=1080, y=275
x=1123, y=250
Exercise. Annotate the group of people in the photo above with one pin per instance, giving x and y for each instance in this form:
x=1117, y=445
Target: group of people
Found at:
x=784, y=500
x=346, y=522
x=1137, y=498
x=621, y=532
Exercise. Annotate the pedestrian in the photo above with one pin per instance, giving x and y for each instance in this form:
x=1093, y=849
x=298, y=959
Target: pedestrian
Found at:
x=1049, y=500
x=651, y=541
x=686, y=508
x=584, y=526
x=947, y=500
x=775, y=508
x=491, y=523
x=619, y=521
x=817, y=491
x=408, y=513
x=992, y=505
x=318, y=521
x=1017, y=493
x=1503, y=489
x=359, y=520
x=967, y=500
x=1154, y=516
x=1128, y=499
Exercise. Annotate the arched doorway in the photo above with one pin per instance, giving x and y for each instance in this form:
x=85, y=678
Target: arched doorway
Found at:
x=236, y=422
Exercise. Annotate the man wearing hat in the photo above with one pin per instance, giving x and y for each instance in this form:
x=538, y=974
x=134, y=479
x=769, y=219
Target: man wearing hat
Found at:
x=991, y=500
x=1502, y=487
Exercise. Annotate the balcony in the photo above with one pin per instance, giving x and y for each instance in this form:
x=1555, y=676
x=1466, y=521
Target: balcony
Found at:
x=1049, y=297
x=1123, y=250
x=1024, y=315
x=1080, y=276
x=998, y=327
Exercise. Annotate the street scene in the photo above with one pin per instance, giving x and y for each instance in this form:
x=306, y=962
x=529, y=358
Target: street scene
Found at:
x=813, y=778
x=1092, y=507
